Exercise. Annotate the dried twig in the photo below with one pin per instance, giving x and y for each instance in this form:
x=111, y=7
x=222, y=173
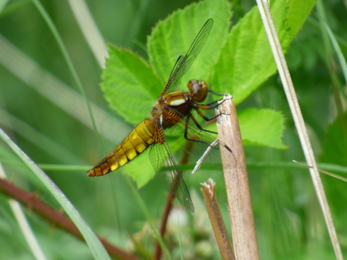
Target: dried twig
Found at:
x=220, y=232
x=236, y=181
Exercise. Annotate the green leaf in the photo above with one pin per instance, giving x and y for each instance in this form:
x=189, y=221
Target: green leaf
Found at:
x=246, y=60
x=297, y=14
x=129, y=85
x=261, y=127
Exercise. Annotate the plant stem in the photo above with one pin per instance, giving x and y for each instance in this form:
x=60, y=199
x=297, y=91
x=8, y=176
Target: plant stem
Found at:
x=236, y=181
x=219, y=229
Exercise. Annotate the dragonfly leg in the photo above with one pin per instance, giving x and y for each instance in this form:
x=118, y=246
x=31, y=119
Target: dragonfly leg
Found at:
x=208, y=106
x=211, y=104
x=214, y=92
x=198, y=125
x=190, y=116
x=203, y=116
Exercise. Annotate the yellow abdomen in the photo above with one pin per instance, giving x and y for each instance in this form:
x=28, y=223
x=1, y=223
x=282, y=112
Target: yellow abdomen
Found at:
x=136, y=142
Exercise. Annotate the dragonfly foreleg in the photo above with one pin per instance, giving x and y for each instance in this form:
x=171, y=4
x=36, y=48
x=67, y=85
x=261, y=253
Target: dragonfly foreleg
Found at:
x=208, y=106
x=203, y=116
x=190, y=116
x=186, y=131
x=214, y=92
x=213, y=102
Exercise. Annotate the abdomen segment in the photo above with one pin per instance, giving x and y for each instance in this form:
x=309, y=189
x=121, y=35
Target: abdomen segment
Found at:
x=136, y=142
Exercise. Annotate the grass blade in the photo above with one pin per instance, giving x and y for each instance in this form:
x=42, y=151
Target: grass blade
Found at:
x=298, y=119
x=90, y=30
x=93, y=242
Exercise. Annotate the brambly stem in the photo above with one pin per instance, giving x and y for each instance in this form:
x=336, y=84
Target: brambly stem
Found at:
x=55, y=217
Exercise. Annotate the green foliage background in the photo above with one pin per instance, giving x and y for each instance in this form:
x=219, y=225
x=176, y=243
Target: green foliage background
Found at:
x=53, y=127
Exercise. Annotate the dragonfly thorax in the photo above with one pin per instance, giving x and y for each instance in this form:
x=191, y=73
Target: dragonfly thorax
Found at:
x=198, y=90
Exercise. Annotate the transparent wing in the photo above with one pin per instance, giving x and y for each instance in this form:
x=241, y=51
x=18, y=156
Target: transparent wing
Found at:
x=183, y=63
x=171, y=179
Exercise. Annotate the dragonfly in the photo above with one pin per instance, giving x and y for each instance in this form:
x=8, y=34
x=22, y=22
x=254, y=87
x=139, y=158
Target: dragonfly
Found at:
x=172, y=113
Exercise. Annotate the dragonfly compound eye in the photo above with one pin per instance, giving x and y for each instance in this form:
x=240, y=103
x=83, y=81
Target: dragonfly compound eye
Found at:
x=198, y=90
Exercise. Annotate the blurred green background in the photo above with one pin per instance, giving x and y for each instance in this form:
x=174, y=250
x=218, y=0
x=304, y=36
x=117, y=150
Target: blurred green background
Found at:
x=43, y=112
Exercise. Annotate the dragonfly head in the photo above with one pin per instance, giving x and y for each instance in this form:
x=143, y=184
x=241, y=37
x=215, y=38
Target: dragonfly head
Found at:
x=198, y=90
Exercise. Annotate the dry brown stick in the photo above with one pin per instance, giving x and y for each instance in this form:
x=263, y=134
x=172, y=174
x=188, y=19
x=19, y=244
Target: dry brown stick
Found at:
x=236, y=181
x=218, y=226
x=57, y=218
